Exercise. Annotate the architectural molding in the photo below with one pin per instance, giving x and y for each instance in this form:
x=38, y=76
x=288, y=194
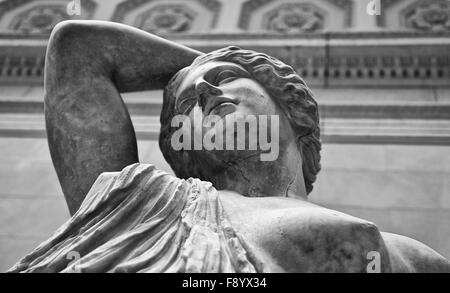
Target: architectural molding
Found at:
x=347, y=6
x=426, y=16
x=292, y=18
x=41, y=17
x=385, y=5
x=8, y=5
x=129, y=5
x=250, y=6
x=376, y=59
x=421, y=15
x=166, y=19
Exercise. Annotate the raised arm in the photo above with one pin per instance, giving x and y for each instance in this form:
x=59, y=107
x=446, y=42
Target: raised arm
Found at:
x=88, y=64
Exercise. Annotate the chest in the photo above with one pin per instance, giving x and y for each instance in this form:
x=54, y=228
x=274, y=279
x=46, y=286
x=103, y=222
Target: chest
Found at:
x=301, y=237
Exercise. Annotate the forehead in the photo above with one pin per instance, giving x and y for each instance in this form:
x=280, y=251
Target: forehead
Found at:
x=200, y=71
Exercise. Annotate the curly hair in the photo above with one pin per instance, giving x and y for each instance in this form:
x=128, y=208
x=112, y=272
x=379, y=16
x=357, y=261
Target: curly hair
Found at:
x=285, y=87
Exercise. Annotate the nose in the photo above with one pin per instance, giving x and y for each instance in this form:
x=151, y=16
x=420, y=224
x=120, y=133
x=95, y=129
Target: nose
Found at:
x=205, y=90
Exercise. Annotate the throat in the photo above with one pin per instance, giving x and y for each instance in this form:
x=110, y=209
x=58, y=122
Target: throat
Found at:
x=255, y=178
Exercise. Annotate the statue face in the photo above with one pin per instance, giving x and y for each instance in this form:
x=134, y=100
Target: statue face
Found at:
x=222, y=88
x=216, y=86
x=225, y=92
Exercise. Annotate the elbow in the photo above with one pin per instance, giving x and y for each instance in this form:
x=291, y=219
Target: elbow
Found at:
x=81, y=34
x=60, y=57
x=66, y=59
x=76, y=45
x=65, y=26
x=74, y=49
x=65, y=35
x=65, y=40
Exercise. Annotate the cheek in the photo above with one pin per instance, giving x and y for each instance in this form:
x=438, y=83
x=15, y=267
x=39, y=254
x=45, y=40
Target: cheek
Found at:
x=254, y=100
x=259, y=105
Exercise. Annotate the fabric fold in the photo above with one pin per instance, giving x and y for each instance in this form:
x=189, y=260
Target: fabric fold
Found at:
x=145, y=220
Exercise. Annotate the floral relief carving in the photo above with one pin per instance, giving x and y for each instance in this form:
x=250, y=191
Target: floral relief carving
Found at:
x=251, y=7
x=39, y=19
x=167, y=19
x=428, y=16
x=295, y=18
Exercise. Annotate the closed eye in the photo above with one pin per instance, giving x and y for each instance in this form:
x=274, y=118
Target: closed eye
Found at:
x=226, y=76
x=186, y=104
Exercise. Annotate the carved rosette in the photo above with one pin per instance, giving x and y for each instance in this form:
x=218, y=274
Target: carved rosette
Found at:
x=294, y=18
x=167, y=19
x=429, y=17
x=308, y=10
x=39, y=19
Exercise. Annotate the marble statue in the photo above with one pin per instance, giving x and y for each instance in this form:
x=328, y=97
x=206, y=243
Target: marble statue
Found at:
x=225, y=210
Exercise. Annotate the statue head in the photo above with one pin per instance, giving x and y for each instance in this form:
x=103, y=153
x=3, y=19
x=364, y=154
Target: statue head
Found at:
x=232, y=81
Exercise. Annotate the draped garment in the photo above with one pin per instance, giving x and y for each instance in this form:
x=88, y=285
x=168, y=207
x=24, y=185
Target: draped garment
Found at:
x=145, y=220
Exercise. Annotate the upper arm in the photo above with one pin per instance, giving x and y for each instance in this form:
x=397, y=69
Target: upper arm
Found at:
x=88, y=64
x=409, y=255
x=77, y=71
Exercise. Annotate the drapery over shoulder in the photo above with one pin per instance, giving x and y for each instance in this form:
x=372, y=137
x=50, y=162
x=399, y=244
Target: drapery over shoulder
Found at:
x=144, y=220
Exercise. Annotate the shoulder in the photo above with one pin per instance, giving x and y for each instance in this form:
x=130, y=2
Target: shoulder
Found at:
x=133, y=180
x=303, y=237
x=335, y=242
x=412, y=256
x=131, y=174
x=124, y=177
x=331, y=241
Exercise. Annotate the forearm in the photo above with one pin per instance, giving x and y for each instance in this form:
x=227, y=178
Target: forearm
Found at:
x=88, y=126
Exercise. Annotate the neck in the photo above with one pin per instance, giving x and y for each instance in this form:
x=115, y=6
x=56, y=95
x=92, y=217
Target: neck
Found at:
x=255, y=178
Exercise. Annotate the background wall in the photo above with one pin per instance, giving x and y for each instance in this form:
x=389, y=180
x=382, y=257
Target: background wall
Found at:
x=382, y=83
